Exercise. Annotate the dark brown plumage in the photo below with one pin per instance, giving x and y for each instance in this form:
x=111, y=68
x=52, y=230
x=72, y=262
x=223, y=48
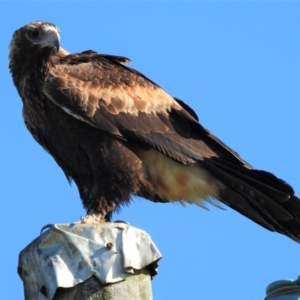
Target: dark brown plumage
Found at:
x=116, y=134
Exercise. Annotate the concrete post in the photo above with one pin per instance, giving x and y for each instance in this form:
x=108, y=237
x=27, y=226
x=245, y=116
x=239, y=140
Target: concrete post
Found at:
x=137, y=286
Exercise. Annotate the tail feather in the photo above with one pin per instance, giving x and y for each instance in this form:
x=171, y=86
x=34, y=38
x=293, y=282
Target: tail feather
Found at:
x=239, y=203
x=264, y=181
x=258, y=195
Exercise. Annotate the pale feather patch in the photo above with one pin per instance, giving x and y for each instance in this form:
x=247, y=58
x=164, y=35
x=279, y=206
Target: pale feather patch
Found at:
x=176, y=182
x=135, y=100
x=127, y=99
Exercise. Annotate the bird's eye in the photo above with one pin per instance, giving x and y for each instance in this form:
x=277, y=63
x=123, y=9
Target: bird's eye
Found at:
x=33, y=33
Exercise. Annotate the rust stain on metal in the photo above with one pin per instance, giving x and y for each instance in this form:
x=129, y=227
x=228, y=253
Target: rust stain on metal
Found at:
x=109, y=245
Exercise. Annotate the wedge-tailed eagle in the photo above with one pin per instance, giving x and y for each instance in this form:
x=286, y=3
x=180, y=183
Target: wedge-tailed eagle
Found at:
x=116, y=133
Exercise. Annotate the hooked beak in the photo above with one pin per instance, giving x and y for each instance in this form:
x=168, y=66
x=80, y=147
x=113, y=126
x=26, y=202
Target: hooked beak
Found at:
x=53, y=39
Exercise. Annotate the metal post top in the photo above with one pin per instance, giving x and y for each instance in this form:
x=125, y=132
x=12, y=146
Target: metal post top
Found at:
x=68, y=254
x=287, y=289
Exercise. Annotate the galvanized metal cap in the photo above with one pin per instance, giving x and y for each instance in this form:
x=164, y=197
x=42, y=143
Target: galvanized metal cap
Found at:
x=283, y=290
x=68, y=254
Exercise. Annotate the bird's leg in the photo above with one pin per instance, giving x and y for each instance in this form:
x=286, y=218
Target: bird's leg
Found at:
x=98, y=216
x=93, y=218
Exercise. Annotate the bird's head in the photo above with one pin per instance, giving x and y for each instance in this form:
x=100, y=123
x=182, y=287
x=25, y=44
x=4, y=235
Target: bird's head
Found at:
x=37, y=35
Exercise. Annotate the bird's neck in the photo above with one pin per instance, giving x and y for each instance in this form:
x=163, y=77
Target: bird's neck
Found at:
x=30, y=71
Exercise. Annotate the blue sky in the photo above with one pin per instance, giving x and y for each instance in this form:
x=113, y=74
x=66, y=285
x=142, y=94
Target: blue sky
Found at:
x=238, y=65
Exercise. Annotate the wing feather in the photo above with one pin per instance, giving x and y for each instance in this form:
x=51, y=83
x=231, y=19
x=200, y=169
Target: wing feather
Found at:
x=125, y=103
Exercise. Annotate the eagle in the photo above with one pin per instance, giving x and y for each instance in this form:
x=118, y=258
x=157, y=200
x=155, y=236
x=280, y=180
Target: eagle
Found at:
x=116, y=133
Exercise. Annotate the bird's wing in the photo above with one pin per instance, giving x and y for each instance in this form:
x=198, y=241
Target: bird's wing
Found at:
x=102, y=92
x=99, y=90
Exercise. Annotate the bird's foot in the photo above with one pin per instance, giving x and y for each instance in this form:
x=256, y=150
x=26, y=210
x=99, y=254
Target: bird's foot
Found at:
x=93, y=219
x=99, y=215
